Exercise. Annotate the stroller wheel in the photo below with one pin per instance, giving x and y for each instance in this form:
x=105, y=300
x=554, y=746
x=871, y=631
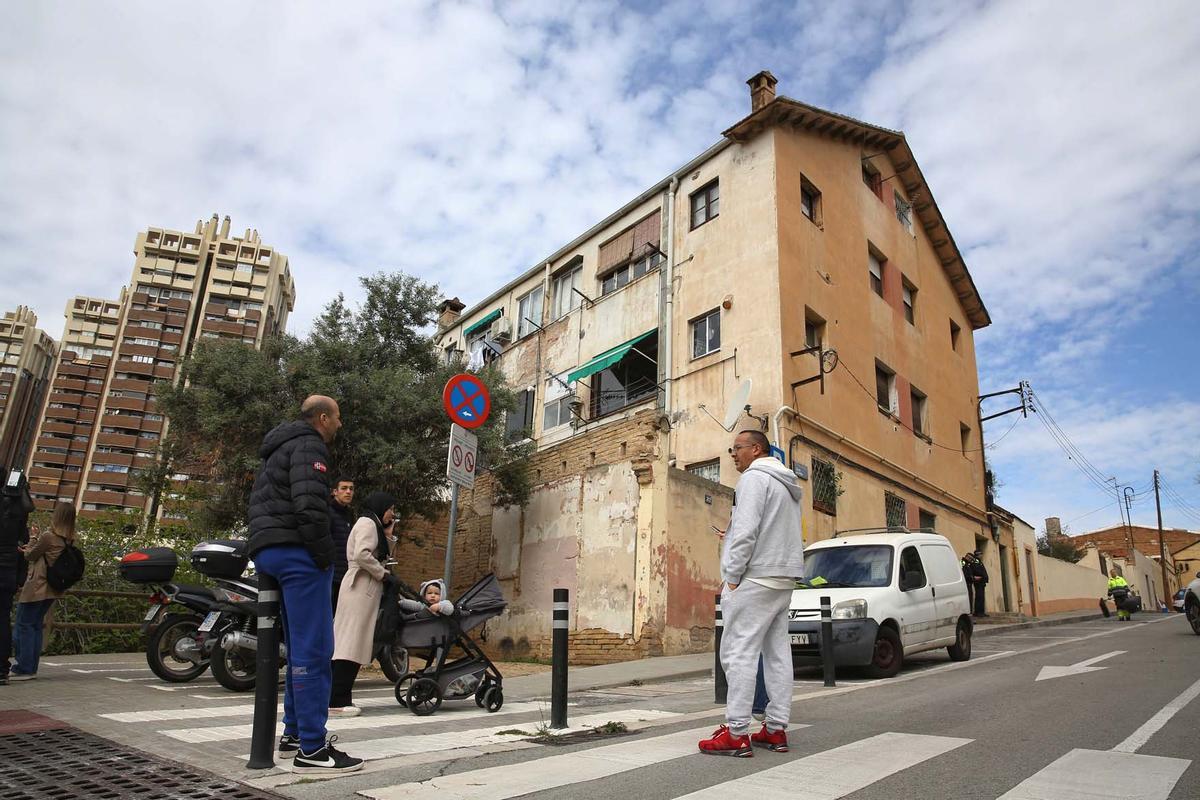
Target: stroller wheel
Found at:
x=424, y=697
x=481, y=692
x=402, y=686
x=493, y=699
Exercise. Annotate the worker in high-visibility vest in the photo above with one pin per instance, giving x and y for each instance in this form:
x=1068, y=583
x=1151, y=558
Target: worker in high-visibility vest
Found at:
x=1118, y=590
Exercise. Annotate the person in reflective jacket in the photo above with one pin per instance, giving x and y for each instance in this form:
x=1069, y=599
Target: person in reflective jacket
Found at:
x=1118, y=590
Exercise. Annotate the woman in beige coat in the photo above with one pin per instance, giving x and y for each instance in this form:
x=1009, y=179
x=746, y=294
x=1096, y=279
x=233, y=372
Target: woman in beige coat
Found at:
x=358, y=599
x=37, y=595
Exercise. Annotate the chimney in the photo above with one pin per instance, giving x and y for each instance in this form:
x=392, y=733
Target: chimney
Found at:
x=449, y=312
x=225, y=227
x=762, y=90
x=1053, y=527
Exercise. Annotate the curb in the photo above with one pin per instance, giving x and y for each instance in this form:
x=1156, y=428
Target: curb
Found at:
x=994, y=630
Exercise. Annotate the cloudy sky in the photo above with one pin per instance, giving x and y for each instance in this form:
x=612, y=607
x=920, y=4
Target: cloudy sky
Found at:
x=466, y=141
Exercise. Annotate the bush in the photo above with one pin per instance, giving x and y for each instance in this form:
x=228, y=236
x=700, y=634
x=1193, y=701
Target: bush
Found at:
x=104, y=540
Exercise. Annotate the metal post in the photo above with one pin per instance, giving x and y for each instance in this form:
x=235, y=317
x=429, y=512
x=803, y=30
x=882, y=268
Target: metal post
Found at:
x=266, y=685
x=1162, y=549
x=720, y=683
x=827, y=642
x=450, y=537
x=558, y=676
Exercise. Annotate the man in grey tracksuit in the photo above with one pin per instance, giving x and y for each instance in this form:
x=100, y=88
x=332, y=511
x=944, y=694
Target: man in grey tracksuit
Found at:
x=763, y=555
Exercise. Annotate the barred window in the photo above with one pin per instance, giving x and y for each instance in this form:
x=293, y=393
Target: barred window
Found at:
x=825, y=489
x=895, y=511
x=709, y=470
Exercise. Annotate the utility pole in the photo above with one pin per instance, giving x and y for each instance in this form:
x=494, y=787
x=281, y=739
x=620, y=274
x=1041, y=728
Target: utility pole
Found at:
x=1162, y=549
x=1128, y=493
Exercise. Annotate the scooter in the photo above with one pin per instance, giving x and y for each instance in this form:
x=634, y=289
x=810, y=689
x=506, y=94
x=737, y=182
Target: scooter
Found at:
x=175, y=651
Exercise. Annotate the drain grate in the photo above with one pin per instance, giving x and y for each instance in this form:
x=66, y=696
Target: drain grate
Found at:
x=68, y=764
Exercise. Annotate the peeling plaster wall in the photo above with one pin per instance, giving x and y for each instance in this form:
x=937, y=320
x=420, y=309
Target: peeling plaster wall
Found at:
x=689, y=562
x=606, y=549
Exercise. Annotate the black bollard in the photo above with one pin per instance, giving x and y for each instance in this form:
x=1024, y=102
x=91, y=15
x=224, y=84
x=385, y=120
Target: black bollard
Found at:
x=558, y=654
x=266, y=686
x=827, y=642
x=720, y=683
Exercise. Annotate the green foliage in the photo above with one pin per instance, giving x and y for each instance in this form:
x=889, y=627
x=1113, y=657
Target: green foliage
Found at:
x=378, y=361
x=1060, y=547
x=103, y=540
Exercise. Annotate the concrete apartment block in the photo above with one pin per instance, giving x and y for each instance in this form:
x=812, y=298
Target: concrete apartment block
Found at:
x=27, y=356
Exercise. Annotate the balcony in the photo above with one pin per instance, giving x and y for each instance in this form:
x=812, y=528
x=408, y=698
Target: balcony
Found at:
x=127, y=403
x=107, y=498
x=121, y=459
x=116, y=440
x=112, y=481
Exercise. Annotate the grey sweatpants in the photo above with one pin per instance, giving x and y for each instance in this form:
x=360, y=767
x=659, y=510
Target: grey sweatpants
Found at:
x=755, y=619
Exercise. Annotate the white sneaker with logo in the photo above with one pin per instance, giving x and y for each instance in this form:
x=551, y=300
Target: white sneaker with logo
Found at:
x=326, y=761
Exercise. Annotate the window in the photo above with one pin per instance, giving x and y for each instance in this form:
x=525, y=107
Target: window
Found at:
x=903, y=211
x=559, y=396
x=480, y=351
x=706, y=334
x=964, y=435
x=566, y=299
x=814, y=328
x=875, y=267
x=928, y=521
x=954, y=332
x=810, y=200
x=529, y=308
x=706, y=204
x=825, y=486
x=518, y=423
x=909, y=293
x=885, y=388
x=632, y=379
x=911, y=569
x=895, y=511
x=624, y=274
x=709, y=470
x=918, y=411
x=870, y=177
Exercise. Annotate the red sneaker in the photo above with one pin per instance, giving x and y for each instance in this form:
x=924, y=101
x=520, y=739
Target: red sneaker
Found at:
x=724, y=743
x=776, y=741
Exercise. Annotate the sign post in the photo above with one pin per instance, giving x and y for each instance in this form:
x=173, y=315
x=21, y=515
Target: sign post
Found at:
x=468, y=404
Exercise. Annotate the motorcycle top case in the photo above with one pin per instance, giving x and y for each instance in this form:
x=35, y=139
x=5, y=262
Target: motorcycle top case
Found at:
x=224, y=558
x=151, y=565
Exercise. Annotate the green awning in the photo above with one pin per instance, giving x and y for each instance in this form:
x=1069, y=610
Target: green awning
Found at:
x=483, y=322
x=606, y=359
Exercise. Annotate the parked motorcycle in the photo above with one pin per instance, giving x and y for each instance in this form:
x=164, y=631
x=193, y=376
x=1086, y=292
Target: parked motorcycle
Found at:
x=174, y=650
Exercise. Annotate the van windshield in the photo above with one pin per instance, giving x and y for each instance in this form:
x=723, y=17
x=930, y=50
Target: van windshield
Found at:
x=851, y=566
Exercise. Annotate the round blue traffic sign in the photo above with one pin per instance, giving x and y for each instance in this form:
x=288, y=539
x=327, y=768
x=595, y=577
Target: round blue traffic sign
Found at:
x=467, y=401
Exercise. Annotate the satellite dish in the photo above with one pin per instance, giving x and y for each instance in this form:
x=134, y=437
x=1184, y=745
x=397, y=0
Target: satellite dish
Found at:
x=737, y=405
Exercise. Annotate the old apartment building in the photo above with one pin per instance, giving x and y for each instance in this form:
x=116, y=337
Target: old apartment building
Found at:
x=100, y=426
x=803, y=237
x=27, y=356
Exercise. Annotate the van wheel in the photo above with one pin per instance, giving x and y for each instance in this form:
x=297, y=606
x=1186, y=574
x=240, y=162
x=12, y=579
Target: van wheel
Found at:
x=1193, y=615
x=961, y=649
x=889, y=654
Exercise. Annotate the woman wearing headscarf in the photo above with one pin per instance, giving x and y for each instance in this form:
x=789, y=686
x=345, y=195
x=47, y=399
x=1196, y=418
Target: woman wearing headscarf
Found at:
x=358, y=600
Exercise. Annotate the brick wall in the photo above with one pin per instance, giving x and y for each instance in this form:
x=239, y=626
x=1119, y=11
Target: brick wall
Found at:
x=1116, y=539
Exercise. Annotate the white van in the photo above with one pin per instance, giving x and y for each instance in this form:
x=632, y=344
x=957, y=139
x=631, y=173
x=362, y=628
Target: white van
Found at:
x=893, y=594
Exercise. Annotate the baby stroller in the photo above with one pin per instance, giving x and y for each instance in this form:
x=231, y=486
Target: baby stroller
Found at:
x=432, y=635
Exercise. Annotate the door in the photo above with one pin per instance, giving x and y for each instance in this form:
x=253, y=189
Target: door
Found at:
x=918, y=613
x=949, y=588
x=1033, y=605
x=1004, y=578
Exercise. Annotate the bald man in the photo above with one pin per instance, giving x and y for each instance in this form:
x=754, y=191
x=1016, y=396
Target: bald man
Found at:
x=290, y=541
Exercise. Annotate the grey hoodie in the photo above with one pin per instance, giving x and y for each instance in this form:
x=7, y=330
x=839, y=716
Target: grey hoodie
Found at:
x=763, y=540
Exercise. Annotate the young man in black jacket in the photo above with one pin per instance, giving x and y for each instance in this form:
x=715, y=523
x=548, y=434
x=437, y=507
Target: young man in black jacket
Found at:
x=15, y=506
x=290, y=541
x=341, y=520
x=981, y=581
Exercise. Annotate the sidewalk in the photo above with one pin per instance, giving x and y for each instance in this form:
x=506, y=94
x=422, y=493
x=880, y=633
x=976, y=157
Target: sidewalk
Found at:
x=984, y=627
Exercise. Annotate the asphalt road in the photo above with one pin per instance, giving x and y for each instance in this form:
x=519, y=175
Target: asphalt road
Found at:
x=1125, y=725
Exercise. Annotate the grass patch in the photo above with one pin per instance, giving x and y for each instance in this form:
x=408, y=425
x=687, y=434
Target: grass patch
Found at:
x=515, y=732
x=609, y=728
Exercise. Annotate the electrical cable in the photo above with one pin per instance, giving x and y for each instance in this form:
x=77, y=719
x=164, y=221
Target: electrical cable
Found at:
x=1065, y=441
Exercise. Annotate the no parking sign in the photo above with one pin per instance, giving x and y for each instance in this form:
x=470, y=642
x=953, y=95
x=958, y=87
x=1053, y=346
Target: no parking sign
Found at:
x=467, y=401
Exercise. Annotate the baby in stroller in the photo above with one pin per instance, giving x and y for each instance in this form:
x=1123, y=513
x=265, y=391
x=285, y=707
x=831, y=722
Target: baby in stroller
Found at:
x=431, y=627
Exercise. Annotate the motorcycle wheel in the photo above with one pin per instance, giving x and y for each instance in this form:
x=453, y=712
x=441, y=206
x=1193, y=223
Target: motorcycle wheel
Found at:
x=160, y=649
x=393, y=660
x=234, y=669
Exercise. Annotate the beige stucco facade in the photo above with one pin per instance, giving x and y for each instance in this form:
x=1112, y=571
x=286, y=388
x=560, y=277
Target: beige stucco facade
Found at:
x=628, y=528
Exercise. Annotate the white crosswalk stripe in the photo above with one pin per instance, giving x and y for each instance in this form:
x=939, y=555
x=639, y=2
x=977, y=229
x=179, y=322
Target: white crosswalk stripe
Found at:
x=244, y=709
x=1091, y=774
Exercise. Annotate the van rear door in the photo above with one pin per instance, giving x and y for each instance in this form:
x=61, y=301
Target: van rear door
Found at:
x=950, y=599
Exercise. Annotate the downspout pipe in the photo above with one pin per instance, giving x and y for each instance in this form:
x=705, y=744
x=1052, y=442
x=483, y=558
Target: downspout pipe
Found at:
x=775, y=426
x=669, y=323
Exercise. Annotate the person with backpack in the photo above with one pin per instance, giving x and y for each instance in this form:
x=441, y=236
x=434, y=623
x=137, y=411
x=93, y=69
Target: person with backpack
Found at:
x=47, y=581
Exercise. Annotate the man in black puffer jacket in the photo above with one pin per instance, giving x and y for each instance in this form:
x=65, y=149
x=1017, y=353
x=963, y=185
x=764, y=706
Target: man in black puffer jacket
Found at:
x=290, y=541
x=15, y=505
x=341, y=520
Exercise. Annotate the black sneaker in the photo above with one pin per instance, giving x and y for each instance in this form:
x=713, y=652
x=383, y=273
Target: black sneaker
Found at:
x=326, y=761
x=288, y=746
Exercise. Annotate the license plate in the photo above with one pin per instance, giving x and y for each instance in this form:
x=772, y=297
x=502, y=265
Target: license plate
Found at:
x=152, y=613
x=800, y=638
x=209, y=621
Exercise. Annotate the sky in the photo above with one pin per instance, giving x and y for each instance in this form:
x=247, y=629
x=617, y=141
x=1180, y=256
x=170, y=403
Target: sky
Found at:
x=466, y=141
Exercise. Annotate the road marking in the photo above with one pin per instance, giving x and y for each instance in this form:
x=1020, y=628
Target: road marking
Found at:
x=244, y=709
x=400, y=717
x=513, y=780
x=1079, y=668
x=1092, y=774
x=88, y=663
x=1138, y=738
x=838, y=772
x=124, y=669
x=132, y=680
